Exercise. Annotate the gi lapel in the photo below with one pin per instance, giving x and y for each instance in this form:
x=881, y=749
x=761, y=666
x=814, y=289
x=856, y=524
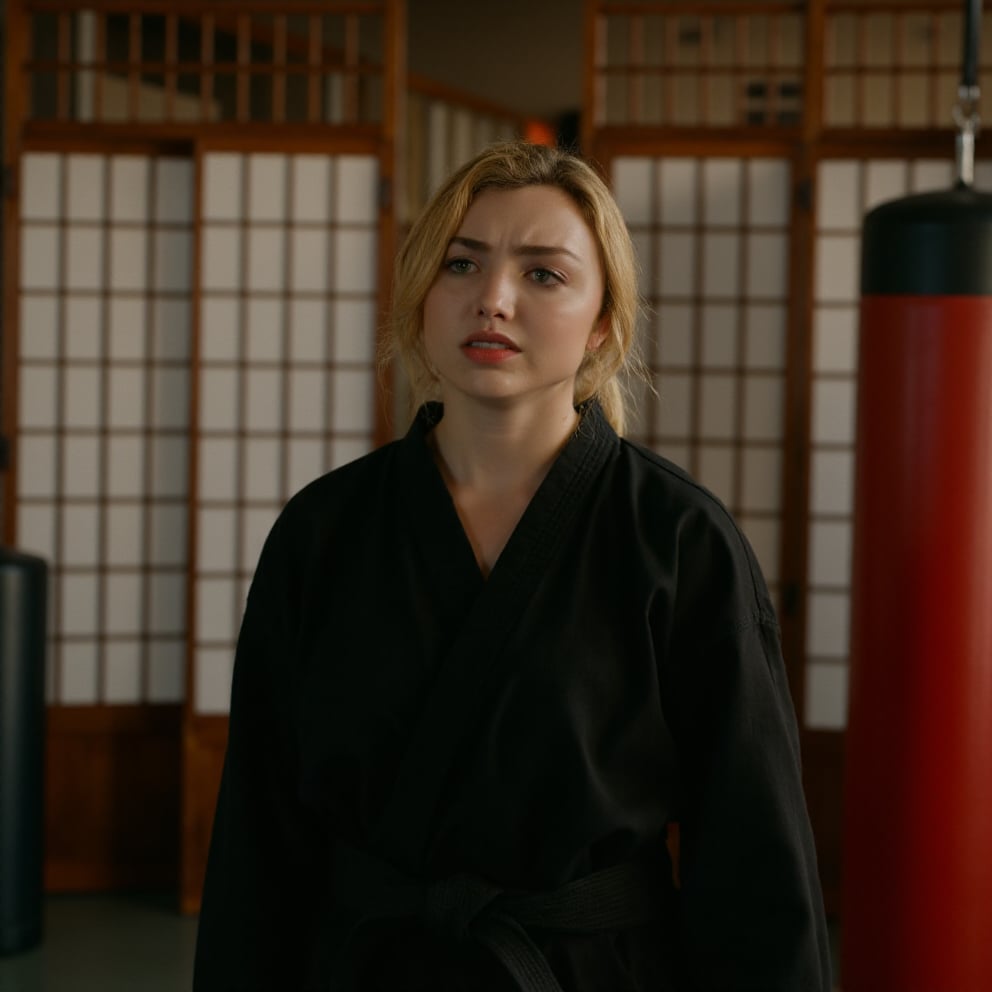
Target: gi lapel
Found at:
x=456, y=696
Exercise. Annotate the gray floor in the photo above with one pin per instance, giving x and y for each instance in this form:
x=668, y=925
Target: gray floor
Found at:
x=110, y=943
x=119, y=943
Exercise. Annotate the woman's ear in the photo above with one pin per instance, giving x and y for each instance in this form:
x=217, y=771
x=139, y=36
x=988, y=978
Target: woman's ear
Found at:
x=599, y=333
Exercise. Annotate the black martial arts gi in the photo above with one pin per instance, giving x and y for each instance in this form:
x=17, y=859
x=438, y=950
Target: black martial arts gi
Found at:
x=415, y=751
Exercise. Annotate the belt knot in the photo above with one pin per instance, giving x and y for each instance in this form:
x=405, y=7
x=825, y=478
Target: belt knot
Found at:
x=452, y=904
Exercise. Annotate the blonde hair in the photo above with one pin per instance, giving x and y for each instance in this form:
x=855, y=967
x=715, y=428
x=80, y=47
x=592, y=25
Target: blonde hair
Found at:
x=512, y=165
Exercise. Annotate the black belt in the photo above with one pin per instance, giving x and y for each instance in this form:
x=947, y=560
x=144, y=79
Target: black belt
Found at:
x=466, y=907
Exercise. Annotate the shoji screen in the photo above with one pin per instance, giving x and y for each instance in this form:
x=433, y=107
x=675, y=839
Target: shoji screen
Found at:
x=846, y=190
x=712, y=241
x=106, y=271
x=286, y=363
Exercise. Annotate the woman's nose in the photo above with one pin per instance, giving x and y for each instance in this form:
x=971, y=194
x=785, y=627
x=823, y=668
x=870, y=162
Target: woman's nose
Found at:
x=496, y=296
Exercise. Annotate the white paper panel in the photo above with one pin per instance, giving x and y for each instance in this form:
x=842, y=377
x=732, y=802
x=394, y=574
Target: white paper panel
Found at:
x=826, y=696
x=37, y=397
x=830, y=553
x=834, y=410
x=84, y=188
x=353, y=400
x=126, y=399
x=354, y=261
x=171, y=319
x=40, y=262
x=255, y=526
x=721, y=265
x=39, y=327
x=768, y=265
x=837, y=260
x=267, y=188
x=83, y=328
x=311, y=189
x=356, y=189
x=764, y=346
x=632, y=186
x=218, y=469
x=721, y=192
x=354, y=331
x=762, y=480
x=306, y=462
x=129, y=188
x=213, y=668
x=41, y=178
x=768, y=192
x=122, y=672
x=677, y=179
x=79, y=674
x=347, y=449
x=215, y=608
x=307, y=331
x=167, y=596
x=310, y=266
x=173, y=261
x=219, y=405
x=36, y=530
x=718, y=407
x=307, y=400
x=835, y=339
x=81, y=466
x=122, y=604
x=36, y=463
x=263, y=469
x=170, y=388
x=764, y=535
x=80, y=535
x=168, y=535
x=884, y=180
x=720, y=336
x=266, y=259
x=82, y=397
x=221, y=187
x=166, y=671
x=838, y=206
x=828, y=625
x=221, y=259
x=78, y=598
x=764, y=402
x=676, y=269
x=174, y=191
x=263, y=400
x=128, y=260
x=674, y=406
x=675, y=335
x=220, y=333
x=264, y=337
x=169, y=457
x=832, y=482
x=126, y=319
x=84, y=265
x=125, y=534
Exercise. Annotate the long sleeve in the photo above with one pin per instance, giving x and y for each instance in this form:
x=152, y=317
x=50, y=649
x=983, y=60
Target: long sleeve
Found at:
x=751, y=907
x=266, y=858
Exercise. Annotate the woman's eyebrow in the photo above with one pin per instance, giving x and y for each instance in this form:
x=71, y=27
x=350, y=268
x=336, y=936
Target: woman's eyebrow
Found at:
x=518, y=250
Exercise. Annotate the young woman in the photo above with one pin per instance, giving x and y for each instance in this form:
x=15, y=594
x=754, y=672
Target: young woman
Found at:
x=485, y=670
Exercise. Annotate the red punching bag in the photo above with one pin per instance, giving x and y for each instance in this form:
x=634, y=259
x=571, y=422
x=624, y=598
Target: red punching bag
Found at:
x=917, y=905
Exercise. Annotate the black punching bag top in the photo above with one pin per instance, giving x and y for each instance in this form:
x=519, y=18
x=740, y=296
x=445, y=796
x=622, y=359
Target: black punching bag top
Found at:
x=931, y=244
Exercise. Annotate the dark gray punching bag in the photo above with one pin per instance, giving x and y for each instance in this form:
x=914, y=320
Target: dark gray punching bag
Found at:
x=23, y=581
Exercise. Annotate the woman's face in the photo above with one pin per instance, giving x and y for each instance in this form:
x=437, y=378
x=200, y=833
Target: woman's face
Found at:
x=517, y=302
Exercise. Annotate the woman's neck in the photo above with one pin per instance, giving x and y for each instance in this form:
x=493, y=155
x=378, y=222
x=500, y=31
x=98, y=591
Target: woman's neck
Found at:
x=500, y=450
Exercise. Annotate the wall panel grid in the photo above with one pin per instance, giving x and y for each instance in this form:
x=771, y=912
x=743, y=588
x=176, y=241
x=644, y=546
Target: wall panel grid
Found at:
x=286, y=374
x=310, y=62
x=105, y=298
x=691, y=64
x=712, y=239
x=846, y=189
x=886, y=67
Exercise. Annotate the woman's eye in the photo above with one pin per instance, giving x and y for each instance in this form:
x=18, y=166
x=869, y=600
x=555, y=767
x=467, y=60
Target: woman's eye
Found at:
x=459, y=265
x=544, y=276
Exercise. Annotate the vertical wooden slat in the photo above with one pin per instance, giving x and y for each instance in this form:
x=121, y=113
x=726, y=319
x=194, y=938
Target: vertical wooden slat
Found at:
x=99, y=64
x=314, y=68
x=592, y=82
x=171, y=60
x=352, y=110
x=243, y=102
x=103, y=445
x=635, y=76
x=206, y=66
x=63, y=110
x=279, y=70
x=15, y=109
x=134, y=67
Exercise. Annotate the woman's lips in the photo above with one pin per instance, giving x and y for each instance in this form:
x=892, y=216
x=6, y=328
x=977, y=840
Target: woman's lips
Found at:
x=488, y=348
